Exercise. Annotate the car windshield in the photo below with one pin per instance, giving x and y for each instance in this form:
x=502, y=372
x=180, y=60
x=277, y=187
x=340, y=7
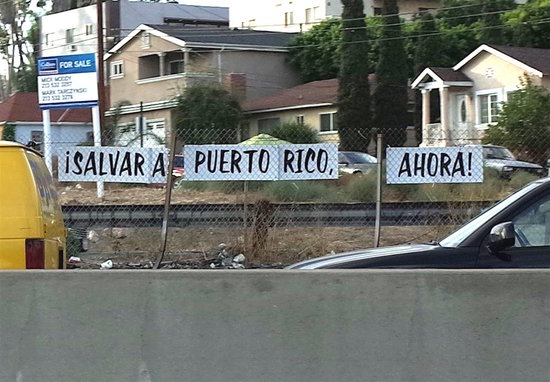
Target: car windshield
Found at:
x=497, y=152
x=178, y=161
x=457, y=237
x=357, y=157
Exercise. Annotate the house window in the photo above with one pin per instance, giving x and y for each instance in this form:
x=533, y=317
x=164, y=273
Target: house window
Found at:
x=265, y=125
x=309, y=15
x=329, y=122
x=117, y=69
x=145, y=40
x=300, y=119
x=128, y=128
x=89, y=29
x=69, y=40
x=48, y=39
x=177, y=67
x=155, y=125
x=488, y=108
x=289, y=18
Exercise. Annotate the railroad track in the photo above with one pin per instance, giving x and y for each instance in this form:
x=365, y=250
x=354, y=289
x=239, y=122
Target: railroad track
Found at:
x=282, y=214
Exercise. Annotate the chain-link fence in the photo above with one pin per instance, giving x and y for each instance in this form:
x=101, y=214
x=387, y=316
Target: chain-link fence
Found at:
x=272, y=221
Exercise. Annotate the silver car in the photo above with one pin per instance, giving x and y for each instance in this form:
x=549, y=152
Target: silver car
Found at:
x=502, y=160
x=355, y=162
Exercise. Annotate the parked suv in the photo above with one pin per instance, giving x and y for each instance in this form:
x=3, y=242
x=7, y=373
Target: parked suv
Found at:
x=502, y=160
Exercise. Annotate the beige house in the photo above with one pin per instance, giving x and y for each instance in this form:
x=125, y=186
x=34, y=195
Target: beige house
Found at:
x=471, y=93
x=313, y=104
x=154, y=64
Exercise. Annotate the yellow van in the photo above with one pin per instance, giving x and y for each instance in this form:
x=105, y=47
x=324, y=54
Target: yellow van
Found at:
x=32, y=233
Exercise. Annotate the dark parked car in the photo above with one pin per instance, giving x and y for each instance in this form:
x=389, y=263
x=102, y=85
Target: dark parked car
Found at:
x=355, y=162
x=502, y=160
x=514, y=233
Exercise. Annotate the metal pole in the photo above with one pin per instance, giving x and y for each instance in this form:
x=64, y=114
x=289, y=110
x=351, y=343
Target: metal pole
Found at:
x=141, y=123
x=100, y=66
x=97, y=142
x=167, y=198
x=47, y=138
x=378, y=190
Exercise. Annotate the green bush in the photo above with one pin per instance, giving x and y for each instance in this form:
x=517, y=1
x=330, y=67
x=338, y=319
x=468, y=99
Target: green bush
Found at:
x=8, y=132
x=294, y=132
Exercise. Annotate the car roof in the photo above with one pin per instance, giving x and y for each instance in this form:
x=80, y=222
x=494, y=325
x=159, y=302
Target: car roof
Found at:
x=18, y=145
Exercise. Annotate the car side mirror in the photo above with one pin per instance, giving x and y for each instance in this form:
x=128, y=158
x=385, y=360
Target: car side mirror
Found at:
x=502, y=236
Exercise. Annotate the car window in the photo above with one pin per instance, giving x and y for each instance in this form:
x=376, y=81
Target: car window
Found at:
x=357, y=157
x=457, y=237
x=178, y=161
x=532, y=225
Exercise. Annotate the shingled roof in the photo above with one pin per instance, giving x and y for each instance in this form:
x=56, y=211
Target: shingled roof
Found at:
x=227, y=36
x=312, y=93
x=535, y=60
x=23, y=107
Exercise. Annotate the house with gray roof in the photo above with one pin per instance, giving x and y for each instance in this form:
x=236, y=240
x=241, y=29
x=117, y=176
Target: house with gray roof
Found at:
x=471, y=93
x=154, y=64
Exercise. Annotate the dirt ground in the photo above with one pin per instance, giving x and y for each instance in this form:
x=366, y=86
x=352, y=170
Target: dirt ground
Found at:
x=138, y=248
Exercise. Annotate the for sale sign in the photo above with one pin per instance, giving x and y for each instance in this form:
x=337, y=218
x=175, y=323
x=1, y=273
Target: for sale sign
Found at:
x=67, y=81
x=434, y=165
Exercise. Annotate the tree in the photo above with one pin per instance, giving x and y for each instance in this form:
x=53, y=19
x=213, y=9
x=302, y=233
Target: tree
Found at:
x=316, y=53
x=206, y=115
x=465, y=24
x=354, y=106
x=524, y=122
x=529, y=24
x=425, y=45
x=16, y=44
x=390, y=95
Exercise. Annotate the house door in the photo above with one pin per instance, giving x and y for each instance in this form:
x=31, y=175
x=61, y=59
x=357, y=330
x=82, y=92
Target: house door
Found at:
x=459, y=129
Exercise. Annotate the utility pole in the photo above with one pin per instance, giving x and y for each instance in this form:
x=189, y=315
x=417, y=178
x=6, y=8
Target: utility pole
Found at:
x=100, y=67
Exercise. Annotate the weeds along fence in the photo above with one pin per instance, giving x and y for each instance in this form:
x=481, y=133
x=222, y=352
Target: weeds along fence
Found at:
x=271, y=221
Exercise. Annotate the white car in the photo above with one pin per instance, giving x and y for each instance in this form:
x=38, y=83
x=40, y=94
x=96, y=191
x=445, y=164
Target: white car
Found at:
x=355, y=162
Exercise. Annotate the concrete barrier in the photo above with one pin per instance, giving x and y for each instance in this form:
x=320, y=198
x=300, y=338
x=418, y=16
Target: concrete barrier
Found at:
x=267, y=326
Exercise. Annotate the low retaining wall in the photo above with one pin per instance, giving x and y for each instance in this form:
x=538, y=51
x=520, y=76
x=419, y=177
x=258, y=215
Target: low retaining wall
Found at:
x=267, y=326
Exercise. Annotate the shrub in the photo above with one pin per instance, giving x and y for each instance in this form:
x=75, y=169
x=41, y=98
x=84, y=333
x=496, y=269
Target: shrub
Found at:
x=300, y=191
x=361, y=188
x=520, y=179
x=8, y=132
x=294, y=132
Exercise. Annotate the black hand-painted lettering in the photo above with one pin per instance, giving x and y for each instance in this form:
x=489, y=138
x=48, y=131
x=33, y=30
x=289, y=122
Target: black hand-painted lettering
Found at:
x=405, y=167
x=91, y=164
x=200, y=158
x=77, y=159
x=139, y=160
x=126, y=165
x=159, y=166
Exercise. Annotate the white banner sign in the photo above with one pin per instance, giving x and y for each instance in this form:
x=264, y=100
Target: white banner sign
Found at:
x=113, y=164
x=261, y=162
x=434, y=165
